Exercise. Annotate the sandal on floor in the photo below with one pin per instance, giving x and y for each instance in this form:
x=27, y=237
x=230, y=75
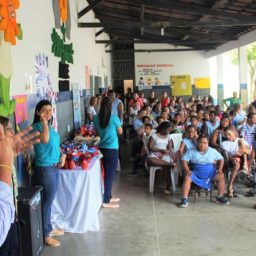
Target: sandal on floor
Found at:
x=230, y=192
x=52, y=242
x=167, y=192
x=114, y=200
x=56, y=232
x=110, y=205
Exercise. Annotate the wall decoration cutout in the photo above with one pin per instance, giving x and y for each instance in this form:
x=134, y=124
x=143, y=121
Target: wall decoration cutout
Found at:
x=28, y=82
x=61, y=12
x=76, y=105
x=8, y=22
x=202, y=83
x=87, y=77
x=7, y=106
x=181, y=85
x=21, y=110
x=9, y=30
x=44, y=89
x=60, y=49
x=42, y=79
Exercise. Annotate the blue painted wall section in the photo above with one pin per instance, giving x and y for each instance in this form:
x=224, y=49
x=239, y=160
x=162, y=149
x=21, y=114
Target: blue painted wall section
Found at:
x=220, y=94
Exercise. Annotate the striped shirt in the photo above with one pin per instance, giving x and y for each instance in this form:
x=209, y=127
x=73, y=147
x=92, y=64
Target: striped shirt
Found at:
x=248, y=133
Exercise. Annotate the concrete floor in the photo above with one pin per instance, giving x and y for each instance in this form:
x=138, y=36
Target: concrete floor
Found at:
x=154, y=225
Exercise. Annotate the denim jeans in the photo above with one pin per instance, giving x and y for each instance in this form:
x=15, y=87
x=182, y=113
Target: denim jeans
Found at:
x=48, y=178
x=110, y=160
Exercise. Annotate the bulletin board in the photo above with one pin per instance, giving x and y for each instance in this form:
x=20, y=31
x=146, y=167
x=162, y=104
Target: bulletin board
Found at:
x=181, y=85
x=202, y=83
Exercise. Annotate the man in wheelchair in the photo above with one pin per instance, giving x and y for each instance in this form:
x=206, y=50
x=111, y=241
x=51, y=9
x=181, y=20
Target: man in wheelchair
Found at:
x=203, y=165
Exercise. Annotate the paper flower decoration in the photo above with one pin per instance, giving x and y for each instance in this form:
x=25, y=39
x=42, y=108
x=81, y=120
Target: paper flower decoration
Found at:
x=63, y=5
x=8, y=22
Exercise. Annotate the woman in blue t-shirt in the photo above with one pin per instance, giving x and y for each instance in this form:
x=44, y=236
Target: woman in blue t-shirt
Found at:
x=48, y=158
x=108, y=128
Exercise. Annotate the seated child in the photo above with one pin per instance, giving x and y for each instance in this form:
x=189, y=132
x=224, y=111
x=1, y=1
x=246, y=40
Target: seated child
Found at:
x=237, y=150
x=143, y=152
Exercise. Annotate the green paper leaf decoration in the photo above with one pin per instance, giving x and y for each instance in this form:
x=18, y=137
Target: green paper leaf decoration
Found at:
x=60, y=49
x=7, y=106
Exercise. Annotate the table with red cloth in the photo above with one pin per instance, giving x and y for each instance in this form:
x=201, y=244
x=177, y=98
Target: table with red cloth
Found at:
x=78, y=199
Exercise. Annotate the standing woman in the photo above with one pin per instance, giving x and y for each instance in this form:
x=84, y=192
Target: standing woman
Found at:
x=108, y=128
x=165, y=101
x=48, y=158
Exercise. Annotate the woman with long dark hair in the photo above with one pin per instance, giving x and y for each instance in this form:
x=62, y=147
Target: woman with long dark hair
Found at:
x=108, y=128
x=48, y=158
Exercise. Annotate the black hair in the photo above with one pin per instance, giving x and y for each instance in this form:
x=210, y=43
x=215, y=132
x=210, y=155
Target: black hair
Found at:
x=105, y=112
x=163, y=127
x=39, y=106
x=250, y=115
x=230, y=128
x=203, y=136
x=158, y=117
x=91, y=99
x=190, y=127
x=4, y=121
x=149, y=125
x=144, y=118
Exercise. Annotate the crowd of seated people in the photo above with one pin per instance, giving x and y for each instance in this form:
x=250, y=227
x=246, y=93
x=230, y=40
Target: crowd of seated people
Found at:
x=213, y=138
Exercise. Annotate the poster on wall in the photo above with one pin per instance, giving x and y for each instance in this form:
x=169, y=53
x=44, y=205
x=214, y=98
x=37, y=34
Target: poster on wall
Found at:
x=148, y=75
x=76, y=105
x=44, y=89
x=181, y=85
x=87, y=77
x=21, y=110
x=202, y=83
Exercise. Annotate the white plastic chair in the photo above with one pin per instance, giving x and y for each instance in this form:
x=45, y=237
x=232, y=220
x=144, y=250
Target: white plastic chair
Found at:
x=152, y=172
x=176, y=140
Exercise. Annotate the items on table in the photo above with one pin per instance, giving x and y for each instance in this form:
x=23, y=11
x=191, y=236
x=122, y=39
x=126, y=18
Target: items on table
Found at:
x=88, y=134
x=78, y=154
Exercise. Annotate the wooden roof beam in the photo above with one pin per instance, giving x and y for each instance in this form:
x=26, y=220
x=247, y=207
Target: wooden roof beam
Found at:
x=90, y=7
x=166, y=24
x=99, y=32
x=189, y=8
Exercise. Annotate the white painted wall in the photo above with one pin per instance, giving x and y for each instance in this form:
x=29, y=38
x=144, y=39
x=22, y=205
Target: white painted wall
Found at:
x=37, y=20
x=191, y=63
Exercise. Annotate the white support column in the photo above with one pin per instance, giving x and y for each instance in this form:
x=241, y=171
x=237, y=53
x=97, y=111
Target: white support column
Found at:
x=242, y=57
x=220, y=85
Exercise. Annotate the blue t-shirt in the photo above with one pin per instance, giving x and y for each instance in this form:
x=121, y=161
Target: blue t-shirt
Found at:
x=189, y=144
x=137, y=123
x=108, y=135
x=47, y=154
x=209, y=157
x=211, y=128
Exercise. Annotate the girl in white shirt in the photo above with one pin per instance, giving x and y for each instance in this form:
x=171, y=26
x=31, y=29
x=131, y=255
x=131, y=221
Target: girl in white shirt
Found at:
x=237, y=150
x=160, y=151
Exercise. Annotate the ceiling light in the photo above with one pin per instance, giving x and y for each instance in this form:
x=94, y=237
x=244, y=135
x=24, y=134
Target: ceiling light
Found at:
x=162, y=31
x=186, y=37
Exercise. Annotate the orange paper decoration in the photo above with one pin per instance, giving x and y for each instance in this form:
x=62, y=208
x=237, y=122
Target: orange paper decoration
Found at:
x=63, y=5
x=8, y=22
